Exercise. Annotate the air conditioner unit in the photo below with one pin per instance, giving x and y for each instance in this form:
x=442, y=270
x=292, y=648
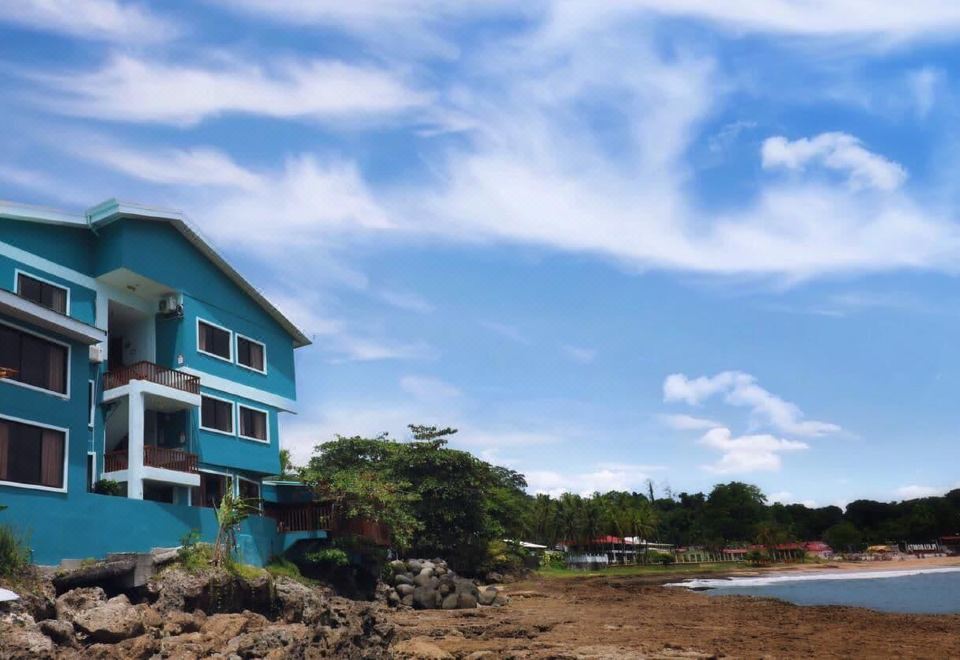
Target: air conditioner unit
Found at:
x=169, y=304
x=96, y=353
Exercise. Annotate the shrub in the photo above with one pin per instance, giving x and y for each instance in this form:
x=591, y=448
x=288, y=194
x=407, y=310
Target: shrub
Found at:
x=328, y=557
x=193, y=554
x=279, y=566
x=14, y=553
x=108, y=487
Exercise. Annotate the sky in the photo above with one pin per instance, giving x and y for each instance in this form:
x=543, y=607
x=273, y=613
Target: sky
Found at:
x=625, y=240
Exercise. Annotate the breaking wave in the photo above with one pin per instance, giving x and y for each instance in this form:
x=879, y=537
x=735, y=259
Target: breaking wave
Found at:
x=766, y=580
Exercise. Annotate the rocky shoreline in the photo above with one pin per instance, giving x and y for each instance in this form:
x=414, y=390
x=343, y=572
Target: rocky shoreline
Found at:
x=427, y=584
x=186, y=615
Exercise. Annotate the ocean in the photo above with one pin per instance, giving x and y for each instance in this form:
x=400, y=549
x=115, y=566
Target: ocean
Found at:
x=921, y=591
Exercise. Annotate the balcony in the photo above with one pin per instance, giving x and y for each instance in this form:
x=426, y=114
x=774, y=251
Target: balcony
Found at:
x=152, y=373
x=156, y=457
x=300, y=517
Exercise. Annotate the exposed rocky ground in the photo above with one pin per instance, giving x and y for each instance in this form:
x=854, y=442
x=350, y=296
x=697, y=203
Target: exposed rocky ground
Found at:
x=427, y=584
x=618, y=618
x=181, y=615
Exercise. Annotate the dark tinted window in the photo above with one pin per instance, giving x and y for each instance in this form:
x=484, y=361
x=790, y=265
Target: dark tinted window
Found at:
x=214, y=340
x=253, y=423
x=216, y=414
x=31, y=454
x=250, y=354
x=33, y=360
x=48, y=295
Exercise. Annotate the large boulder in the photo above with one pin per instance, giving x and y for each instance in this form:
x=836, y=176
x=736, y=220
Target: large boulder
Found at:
x=419, y=648
x=487, y=596
x=77, y=601
x=110, y=622
x=24, y=643
x=402, y=578
x=425, y=598
x=60, y=631
x=298, y=603
x=465, y=600
x=449, y=602
x=405, y=590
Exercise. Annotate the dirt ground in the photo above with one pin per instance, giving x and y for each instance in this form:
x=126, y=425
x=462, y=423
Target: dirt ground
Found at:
x=634, y=617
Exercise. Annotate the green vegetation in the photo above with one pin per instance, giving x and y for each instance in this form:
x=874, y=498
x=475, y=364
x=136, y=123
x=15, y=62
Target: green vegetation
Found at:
x=279, y=566
x=328, y=558
x=194, y=555
x=108, y=487
x=14, y=553
x=232, y=511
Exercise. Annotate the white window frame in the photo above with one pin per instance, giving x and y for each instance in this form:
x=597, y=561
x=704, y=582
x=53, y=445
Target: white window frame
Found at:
x=92, y=392
x=229, y=343
x=60, y=395
x=233, y=415
x=17, y=272
x=237, y=479
x=66, y=455
x=93, y=475
x=267, y=425
x=226, y=475
x=236, y=352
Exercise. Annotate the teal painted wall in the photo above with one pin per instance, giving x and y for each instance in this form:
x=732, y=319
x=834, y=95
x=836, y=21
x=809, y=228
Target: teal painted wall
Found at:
x=217, y=449
x=94, y=525
x=73, y=247
x=82, y=300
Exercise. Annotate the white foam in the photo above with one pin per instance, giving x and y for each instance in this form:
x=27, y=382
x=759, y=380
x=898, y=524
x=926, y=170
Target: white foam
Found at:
x=766, y=580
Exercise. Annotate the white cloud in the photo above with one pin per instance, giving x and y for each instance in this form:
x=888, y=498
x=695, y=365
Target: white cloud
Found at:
x=580, y=354
x=836, y=151
x=428, y=389
x=506, y=331
x=924, y=83
x=740, y=389
x=688, y=422
x=406, y=300
x=128, y=88
x=786, y=497
x=915, y=491
x=109, y=20
x=602, y=477
x=748, y=453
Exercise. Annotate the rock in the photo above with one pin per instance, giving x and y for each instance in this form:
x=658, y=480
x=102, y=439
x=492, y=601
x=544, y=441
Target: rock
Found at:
x=178, y=623
x=110, y=622
x=398, y=566
x=481, y=655
x=29, y=643
x=419, y=648
x=407, y=600
x=405, y=590
x=465, y=600
x=402, y=578
x=59, y=631
x=414, y=566
x=440, y=570
x=450, y=602
x=80, y=600
x=427, y=570
x=466, y=586
x=287, y=640
x=487, y=596
x=393, y=598
x=424, y=598
x=500, y=600
x=494, y=577
x=424, y=580
x=297, y=602
x=227, y=626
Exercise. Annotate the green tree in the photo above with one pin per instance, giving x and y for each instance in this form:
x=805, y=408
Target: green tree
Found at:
x=733, y=511
x=843, y=537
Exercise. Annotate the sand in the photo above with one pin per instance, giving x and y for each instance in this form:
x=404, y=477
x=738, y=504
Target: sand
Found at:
x=635, y=617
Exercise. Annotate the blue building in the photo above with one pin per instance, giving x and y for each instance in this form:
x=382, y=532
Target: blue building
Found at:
x=131, y=351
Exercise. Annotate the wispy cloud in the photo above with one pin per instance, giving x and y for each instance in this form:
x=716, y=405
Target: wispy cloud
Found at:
x=835, y=151
x=580, y=354
x=506, y=331
x=688, y=422
x=137, y=89
x=601, y=477
x=107, y=20
x=429, y=389
x=747, y=453
x=741, y=389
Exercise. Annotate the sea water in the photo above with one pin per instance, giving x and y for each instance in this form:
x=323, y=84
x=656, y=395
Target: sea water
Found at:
x=922, y=591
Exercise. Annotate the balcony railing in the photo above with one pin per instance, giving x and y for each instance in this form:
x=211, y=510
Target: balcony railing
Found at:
x=300, y=517
x=153, y=373
x=159, y=457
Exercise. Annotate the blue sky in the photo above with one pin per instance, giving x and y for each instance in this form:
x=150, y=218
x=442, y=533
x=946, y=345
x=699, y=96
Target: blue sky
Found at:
x=682, y=241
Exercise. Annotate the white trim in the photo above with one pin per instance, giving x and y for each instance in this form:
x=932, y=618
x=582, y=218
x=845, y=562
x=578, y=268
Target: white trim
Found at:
x=243, y=391
x=220, y=327
x=31, y=312
x=60, y=395
x=66, y=455
x=16, y=288
x=135, y=387
x=92, y=393
x=166, y=476
x=233, y=415
x=266, y=423
x=236, y=340
x=30, y=212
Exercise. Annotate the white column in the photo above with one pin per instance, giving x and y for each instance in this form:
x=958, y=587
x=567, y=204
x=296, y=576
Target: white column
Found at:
x=135, y=444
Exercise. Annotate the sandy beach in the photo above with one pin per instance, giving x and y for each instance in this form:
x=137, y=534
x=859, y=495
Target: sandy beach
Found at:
x=635, y=617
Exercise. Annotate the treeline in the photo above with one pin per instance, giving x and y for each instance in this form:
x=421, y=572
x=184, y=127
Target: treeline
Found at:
x=444, y=502
x=736, y=513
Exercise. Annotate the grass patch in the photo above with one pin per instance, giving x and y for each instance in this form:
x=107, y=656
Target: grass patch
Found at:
x=650, y=570
x=14, y=553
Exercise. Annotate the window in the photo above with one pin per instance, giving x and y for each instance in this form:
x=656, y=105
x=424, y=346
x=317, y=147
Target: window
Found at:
x=251, y=354
x=211, y=490
x=43, y=293
x=253, y=423
x=31, y=455
x=216, y=414
x=33, y=361
x=91, y=389
x=249, y=490
x=91, y=470
x=213, y=340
